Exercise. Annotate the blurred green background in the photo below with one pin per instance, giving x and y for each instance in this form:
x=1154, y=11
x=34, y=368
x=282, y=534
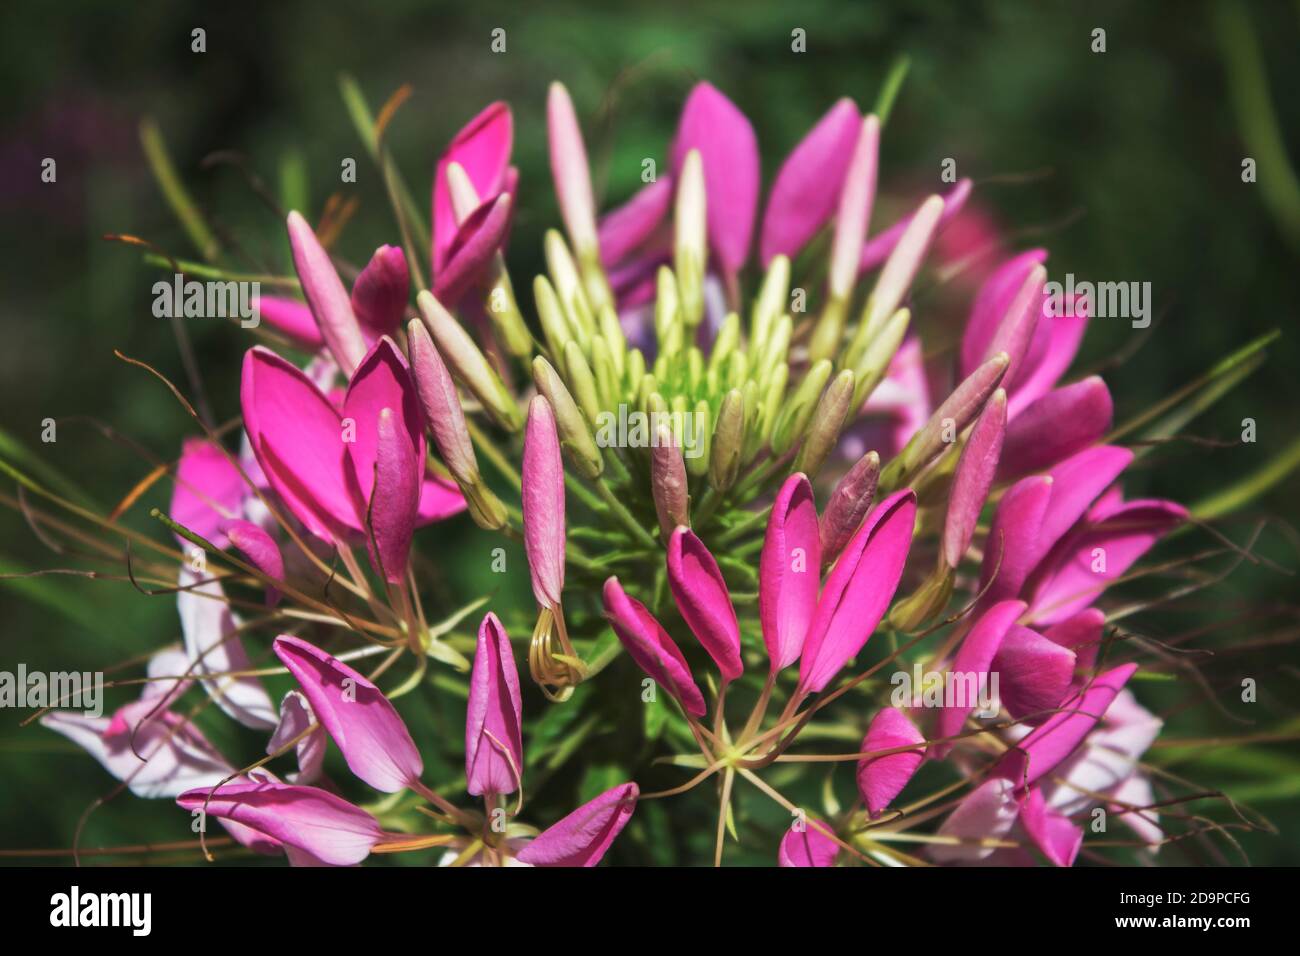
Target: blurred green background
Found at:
x=1126, y=164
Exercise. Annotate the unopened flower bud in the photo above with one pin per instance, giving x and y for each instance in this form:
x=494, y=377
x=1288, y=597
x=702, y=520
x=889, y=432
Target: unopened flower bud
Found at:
x=575, y=433
x=827, y=423
x=770, y=304
x=690, y=247
x=900, y=269
x=919, y=607
x=848, y=505
x=668, y=482
x=798, y=412
x=728, y=438
x=468, y=364
x=582, y=384
x=872, y=367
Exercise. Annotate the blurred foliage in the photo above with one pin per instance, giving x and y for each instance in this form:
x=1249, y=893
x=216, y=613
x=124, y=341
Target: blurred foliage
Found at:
x=1126, y=164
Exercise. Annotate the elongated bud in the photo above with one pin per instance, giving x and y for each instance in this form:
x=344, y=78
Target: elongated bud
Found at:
x=828, y=333
x=727, y=341
x=690, y=247
x=874, y=364
x=949, y=420
x=464, y=197
x=468, y=364
x=901, y=267
x=446, y=420
x=848, y=505
x=827, y=423
x=326, y=297
x=771, y=301
x=570, y=169
x=775, y=349
x=668, y=482
x=798, y=412
x=854, y=215
x=543, y=504
x=612, y=332
x=670, y=329
x=568, y=285
x=555, y=324
x=575, y=433
x=728, y=441
x=773, y=397
x=582, y=383
x=1016, y=329
x=975, y=470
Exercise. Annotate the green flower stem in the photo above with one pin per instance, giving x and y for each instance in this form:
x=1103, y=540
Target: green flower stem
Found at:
x=493, y=454
x=624, y=517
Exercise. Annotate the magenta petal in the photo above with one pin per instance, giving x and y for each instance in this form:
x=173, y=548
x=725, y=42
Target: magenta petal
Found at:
x=293, y=318
x=807, y=847
x=650, y=646
x=381, y=292
x=298, y=440
x=1049, y=744
x=209, y=491
x=382, y=380
x=858, y=590
x=881, y=779
x=1052, y=832
x=1076, y=483
x=1010, y=552
x=326, y=296
x=704, y=601
x=394, y=500
x=991, y=304
x=1098, y=552
x=970, y=667
x=176, y=755
x=261, y=550
x=374, y=740
x=1034, y=673
x=878, y=248
x=482, y=148
x=1081, y=633
x=1062, y=423
x=494, y=751
x=807, y=186
x=479, y=238
x=543, y=504
x=1056, y=341
x=628, y=227
x=728, y=149
x=306, y=818
x=788, y=572
x=988, y=813
x=583, y=837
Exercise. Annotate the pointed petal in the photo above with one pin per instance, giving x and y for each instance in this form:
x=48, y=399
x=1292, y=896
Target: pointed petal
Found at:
x=298, y=440
x=789, y=572
x=991, y=304
x=854, y=213
x=208, y=492
x=704, y=601
x=306, y=818
x=807, y=847
x=1080, y=633
x=394, y=500
x=1009, y=551
x=482, y=148
x=374, y=740
x=1062, y=423
x=1034, y=674
x=494, y=752
x=439, y=499
x=570, y=170
x=583, y=837
x=261, y=550
x=881, y=779
x=858, y=590
x=1053, y=834
x=293, y=318
x=326, y=296
x=807, y=186
x=1056, y=341
x=479, y=238
x=968, y=674
x=970, y=485
x=728, y=148
x=649, y=645
x=382, y=380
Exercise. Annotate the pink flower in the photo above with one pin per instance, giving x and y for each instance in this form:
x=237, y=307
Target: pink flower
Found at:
x=649, y=645
x=482, y=148
x=808, y=845
x=585, y=835
x=543, y=504
x=881, y=779
x=494, y=752
x=704, y=601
